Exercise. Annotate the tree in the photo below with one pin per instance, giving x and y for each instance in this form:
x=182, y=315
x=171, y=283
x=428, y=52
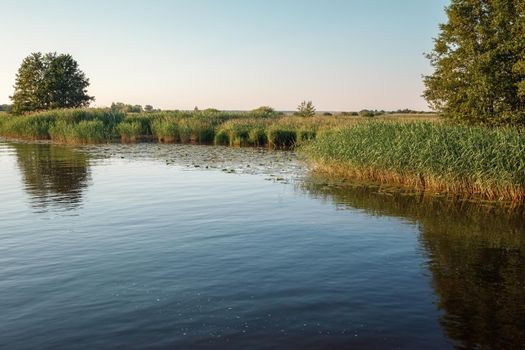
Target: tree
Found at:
x=49, y=81
x=264, y=109
x=6, y=108
x=306, y=109
x=366, y=113
x=148, y=108
x=479, y=63
x=135, y=109
x=126, y=108
x=119, y=107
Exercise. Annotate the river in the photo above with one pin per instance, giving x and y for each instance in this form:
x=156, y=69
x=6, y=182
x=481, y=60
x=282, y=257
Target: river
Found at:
x=202, y=247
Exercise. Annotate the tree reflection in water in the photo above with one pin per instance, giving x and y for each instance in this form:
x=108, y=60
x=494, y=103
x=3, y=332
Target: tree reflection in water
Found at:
x=53, y=176
x=476, y=254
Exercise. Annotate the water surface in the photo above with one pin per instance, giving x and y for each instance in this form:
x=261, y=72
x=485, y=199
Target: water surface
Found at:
x=172, y=246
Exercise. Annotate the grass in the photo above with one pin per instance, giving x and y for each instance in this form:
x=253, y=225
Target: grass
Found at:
x=134, y=128
x=418, y=151
x=130, y=131
x=166, y=131
x=261, y=127
x=243, y=132
x=83, y=132
x=468, y=161
x=63, y=126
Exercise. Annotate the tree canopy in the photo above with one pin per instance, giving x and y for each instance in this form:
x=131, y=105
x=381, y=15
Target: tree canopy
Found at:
x=306, y=109
x=479, y=62
x=49, y=81
x=6, y=108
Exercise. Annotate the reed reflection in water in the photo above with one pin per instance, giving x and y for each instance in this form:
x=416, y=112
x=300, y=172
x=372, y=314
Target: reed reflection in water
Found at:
x=476, y=255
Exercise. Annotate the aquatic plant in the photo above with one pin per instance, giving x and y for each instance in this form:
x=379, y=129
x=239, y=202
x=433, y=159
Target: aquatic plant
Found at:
x=165, y=130
x=39, y=126
x=130, y=131
x=243, y=132
x=27, y=127
x=253, y=128
x=470, y=161
x=83, y=132
x=281, y=137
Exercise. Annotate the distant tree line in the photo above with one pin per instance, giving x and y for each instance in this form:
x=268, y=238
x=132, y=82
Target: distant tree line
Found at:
x=128, y=108
x=306, y=109
x=407, y=111
x=370, y=113
x=6, y=108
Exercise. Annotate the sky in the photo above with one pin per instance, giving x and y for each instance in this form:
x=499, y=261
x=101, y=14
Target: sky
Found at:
x=344, y=55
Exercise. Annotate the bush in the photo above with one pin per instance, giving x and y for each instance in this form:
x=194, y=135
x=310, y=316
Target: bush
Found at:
x=306, y=109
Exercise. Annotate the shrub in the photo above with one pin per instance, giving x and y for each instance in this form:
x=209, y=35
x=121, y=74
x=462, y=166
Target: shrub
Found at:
x=306, y=109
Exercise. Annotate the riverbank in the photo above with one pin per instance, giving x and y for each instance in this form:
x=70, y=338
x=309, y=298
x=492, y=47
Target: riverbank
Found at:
x=470, y=162
x=262, y=127
x=420, y=152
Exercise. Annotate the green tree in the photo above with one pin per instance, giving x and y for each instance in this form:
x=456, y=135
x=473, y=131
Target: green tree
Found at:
x=148, y=108
x=519, y=42
x=479, y=63
x=119, y=107
x=135, y=109
x=49, y=81
x=366, y=113
x=126, y=108
x=306, y=109
x=6, y=108
x=264, y=109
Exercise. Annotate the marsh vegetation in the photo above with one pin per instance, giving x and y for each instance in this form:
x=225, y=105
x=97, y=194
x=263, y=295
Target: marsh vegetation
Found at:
x=421, y=152
x=468, y=161
x=260, y=127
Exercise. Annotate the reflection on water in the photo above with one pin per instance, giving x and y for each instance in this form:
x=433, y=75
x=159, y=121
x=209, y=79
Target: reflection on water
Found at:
x=53, y=175
x=476, y=256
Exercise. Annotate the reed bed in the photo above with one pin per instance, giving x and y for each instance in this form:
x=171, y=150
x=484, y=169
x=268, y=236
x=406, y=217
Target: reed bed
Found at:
x=27, y=127
x=256, y=128
x=428, y=155
x=468, y=161
x=130, y=131
x=64, y=126
x=83, y=132
x=243, y=132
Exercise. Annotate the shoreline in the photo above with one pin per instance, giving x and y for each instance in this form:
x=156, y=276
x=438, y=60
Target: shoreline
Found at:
x=455, y=160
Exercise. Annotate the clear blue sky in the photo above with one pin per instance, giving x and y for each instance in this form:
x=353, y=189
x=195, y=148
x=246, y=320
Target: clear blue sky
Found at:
x=232, y=54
